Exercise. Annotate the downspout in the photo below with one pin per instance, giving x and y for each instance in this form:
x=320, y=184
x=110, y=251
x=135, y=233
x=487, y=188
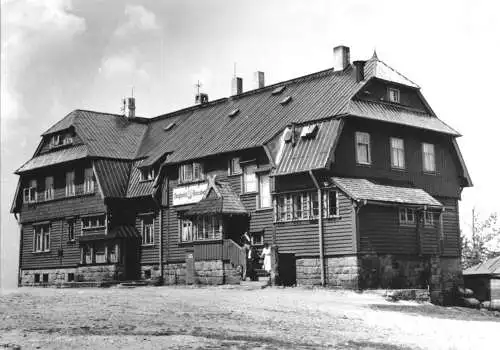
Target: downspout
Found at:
x=158, y=203
x=18, y=219
x=320, y=228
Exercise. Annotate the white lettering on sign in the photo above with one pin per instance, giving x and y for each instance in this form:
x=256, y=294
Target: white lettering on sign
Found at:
x=189, y=194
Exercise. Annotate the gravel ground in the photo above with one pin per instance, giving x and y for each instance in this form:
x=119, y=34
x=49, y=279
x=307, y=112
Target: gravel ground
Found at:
x=232, y=317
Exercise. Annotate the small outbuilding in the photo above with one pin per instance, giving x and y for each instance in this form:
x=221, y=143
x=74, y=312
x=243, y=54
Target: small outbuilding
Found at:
x=484, y=279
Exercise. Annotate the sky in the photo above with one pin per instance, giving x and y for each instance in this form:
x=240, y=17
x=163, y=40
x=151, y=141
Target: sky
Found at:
x=60, y=55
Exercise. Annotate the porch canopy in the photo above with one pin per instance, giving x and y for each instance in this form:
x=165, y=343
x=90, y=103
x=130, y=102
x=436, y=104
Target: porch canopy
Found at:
x=219, y=198
x=364, y=189
x=121, y=231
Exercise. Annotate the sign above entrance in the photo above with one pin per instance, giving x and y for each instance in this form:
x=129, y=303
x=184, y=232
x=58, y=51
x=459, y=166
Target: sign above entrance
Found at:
x=189, y=194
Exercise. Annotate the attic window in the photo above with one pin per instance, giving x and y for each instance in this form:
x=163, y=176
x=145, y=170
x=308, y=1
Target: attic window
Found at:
x=61, y=139
x=147, y=174
x=393, y=95
x=309, y=131
x=169, y=126
x=234, y=112
x=286, y=100
x=278, y=90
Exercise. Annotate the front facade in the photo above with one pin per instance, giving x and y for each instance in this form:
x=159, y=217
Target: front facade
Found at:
x=347, y=173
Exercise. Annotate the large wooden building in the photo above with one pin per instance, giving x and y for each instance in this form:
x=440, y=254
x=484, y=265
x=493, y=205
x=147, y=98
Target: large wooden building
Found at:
x=347, y=173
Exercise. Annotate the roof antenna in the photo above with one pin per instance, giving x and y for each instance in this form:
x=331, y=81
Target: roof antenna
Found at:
x=374, y=56
x=198, y=86
x=123, y=108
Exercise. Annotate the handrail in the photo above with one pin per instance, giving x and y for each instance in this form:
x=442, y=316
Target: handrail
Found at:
x=234, y=253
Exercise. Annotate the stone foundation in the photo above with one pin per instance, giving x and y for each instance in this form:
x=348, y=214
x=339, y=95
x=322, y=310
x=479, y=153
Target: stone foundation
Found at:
x=394, y=271
x=98, y=273
x=56, y=276
x=150, y=272
x=340, y=272
x=446, y=276
x=174, y=273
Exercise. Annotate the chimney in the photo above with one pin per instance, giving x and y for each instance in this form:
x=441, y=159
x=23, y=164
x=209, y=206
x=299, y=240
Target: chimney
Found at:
x=131, y=107
x=360, y=70
x=236, y=86
x=341, y=57
x=201, y=98
x=258, y=80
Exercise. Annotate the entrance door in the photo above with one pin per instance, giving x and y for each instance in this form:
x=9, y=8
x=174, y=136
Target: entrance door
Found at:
x=132, y=259
x=287, y=269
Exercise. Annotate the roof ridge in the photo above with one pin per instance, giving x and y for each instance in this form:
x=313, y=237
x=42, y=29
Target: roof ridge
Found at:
x=395, y=71
x=313, y=75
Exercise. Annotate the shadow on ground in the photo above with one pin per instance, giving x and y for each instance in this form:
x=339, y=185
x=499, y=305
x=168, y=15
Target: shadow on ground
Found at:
x=450, y=312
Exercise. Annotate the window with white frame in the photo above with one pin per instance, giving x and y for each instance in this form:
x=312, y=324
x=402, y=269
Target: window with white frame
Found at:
x=191, y=172
x=41, y=238
x=67, y=139
x=363, y=155
x=305, y=205
x=234, y=167
x=428, y=218
x=147, y=229
x=114, y=254
x=71, y=229
x=30, y=192
x=406, y=216
x=93, y=222
x=393, y=95
x=428, y=157
x=55, y=140
x=89, y=181
x=147, y=174
x=397, y=153
x=70, y=183
x=249, y=178
x=49, y=188
x=264, y=191
x=201, y=228
x=100, y=255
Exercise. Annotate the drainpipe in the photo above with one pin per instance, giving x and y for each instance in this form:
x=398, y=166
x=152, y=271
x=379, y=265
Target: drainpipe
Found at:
x=158, y=203
x=19, y=270
x=320, y=228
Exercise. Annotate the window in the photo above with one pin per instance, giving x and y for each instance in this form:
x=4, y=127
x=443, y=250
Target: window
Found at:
x=264, y=191
x=100, y=255
x=70, y=183
x=89, y=181
x=428, y=157
x=41, y=239
x=234, y=166
x=201, y=228
x=45, y=278
x=257, y=238
x=397, y=153
x=147, y=174
x=37, y=278
x=363, y=148
x=71, y=276
x=49, y=188
x=60, y=139
x=114, y=254
x=29, y=193
x=71, y=230
x=393, y=95
x=55, y=140
x=428, y=218
x=67, y=139
x=249, y=178
x=147, y=230
x=191, y=172
x=91, y=222
x=406, y=216
x=305, y=205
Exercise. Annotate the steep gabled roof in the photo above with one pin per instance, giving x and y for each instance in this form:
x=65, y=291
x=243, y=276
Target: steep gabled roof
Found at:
x=363, y=189
x=113, y=176
x=375, y=68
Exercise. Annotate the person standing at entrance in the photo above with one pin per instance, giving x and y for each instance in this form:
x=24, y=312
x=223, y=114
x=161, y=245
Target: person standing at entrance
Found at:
x=266, y=254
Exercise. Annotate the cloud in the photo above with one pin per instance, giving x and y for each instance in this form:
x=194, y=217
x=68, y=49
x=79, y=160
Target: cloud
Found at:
x=124, y=66
x=138, y=19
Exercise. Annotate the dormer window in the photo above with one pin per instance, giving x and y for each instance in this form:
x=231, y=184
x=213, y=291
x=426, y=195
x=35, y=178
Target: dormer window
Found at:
x=393, y=95
x=61, y=139
x=55, y=141
x=191, y=172
x=147, y=174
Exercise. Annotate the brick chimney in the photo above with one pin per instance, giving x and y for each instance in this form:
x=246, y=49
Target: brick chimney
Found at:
x=201, y=98
x=341, y=57
x=236, y=86
x=131, y=107
x=258, y=80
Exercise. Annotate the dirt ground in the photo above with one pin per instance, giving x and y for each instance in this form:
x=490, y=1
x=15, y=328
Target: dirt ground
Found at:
x=234, y=318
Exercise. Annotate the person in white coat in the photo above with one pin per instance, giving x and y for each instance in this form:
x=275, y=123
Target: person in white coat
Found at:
x=266, y=254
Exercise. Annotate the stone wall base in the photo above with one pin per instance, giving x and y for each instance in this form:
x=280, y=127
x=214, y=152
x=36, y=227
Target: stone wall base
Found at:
x=89, y=273
x=446, y=276
x=342, y=272
x=210, y=272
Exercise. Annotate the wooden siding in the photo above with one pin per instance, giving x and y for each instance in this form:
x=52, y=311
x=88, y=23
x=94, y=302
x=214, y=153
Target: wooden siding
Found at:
x=58, y=240
x=495, y=289
x=149, y=254
x=208, y=251
x=451, y=228
x=301, y=237
x=445, y=182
